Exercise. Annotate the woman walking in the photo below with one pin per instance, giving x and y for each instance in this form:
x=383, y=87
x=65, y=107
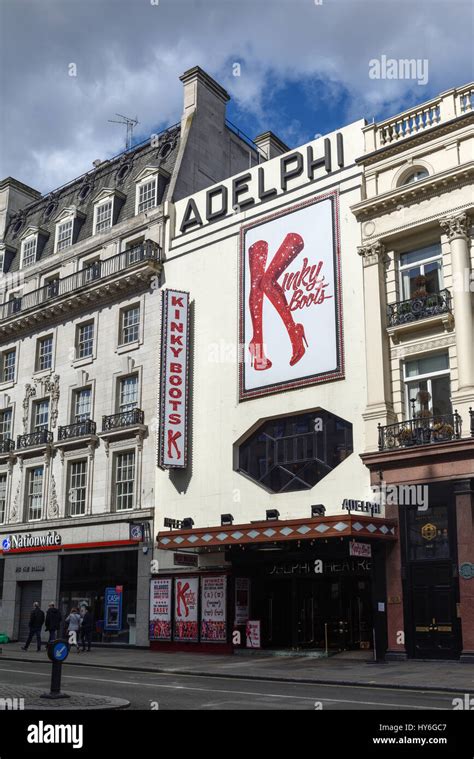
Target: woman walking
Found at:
x=74, y=623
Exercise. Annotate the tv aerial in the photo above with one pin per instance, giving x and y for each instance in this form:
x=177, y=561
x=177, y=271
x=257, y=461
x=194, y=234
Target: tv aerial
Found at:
x=130, y=124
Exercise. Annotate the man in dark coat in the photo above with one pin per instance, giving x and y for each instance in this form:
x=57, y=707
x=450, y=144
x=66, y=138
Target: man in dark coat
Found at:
x=53, y=621
x=35, y=625
x=87, y=625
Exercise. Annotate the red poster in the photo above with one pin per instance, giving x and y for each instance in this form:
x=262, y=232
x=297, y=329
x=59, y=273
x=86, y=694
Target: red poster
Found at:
x=186, y=609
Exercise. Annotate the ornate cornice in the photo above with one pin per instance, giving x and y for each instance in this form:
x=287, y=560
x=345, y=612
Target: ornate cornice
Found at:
x=456, y=226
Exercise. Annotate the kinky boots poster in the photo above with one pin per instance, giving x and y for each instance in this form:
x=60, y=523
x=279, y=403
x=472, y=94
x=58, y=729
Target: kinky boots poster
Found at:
x=290, y=300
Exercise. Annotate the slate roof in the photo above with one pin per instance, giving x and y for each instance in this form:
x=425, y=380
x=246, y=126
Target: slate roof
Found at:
x=117, y=173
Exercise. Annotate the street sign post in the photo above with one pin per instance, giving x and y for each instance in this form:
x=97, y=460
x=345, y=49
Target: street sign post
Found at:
x=58, y=651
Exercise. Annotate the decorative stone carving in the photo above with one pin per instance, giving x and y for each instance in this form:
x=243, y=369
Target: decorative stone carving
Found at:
x=14, y=512
x=30, y=392
x=372, y=253
x=53, y=507
x=455, y=226
x=50, y=386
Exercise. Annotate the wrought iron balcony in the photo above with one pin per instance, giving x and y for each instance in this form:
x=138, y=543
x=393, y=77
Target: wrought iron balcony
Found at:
x=123, y=420
x=39, y=437
x=422, y=307
x=70, y=286
x=78, y=429
x=422, y=430
x=6, y=445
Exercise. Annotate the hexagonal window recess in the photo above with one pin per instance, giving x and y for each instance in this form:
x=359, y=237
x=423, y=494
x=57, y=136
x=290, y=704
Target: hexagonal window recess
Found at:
x=295, y=452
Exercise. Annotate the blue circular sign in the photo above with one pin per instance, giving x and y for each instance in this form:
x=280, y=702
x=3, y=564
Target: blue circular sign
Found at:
x=6, y=544
x=60, y=651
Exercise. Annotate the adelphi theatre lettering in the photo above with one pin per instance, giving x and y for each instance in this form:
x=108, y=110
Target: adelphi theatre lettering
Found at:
x=318, y=566
x=221, y=200
x=28, y=540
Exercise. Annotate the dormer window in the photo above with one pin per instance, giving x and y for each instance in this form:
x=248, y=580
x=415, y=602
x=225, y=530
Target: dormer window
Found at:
x=28, y=251
x=103, y=216
x=64, y=234
x=107, y=205
x=146, y=194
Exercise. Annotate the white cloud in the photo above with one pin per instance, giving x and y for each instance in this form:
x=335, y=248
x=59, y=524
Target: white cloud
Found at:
x=130, y=53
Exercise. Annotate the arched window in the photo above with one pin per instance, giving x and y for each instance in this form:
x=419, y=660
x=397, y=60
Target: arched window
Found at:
x=414, y=176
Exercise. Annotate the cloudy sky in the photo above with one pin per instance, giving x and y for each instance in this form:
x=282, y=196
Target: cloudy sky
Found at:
x=304, y=69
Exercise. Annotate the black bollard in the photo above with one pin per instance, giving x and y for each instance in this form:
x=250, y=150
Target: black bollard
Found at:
x=58, y=651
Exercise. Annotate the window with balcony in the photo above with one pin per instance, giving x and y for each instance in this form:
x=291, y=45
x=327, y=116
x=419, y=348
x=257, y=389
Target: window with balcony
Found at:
x=28, y=251
x=3, y=497
x=128, y=393
x=40, y=416
x=8, y=364
x=34, y=493
x=44, y=353
x=421, y=272
x=103, y=216
x=85, y=340
x=51, y=286
x=91, y=268
x=6, y=424
x=129, y=325
x=82, y=400
x=64, y=232
x=77, y=487
x=146, y=195
x=124, y=480
x=428, y=386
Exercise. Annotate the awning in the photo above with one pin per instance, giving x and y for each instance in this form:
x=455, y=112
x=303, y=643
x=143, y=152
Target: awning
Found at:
x=275, y=531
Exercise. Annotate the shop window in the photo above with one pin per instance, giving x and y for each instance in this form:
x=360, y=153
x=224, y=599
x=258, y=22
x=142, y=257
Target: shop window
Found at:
x=428, y=387
x=295, y=452
x=421, y=272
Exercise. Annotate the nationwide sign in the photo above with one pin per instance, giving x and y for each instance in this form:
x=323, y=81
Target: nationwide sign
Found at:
x=290, y=298
x=15, y=542
x=172, y=451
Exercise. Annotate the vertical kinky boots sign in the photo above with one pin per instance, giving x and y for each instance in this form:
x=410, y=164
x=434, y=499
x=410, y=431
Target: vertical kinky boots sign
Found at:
x=290, y=299
x=174, y=379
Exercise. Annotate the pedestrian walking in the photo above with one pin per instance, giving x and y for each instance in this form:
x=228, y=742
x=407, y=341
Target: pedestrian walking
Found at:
x=35, y=624
x=53, y=621
x=74, y=625
x=87, y=626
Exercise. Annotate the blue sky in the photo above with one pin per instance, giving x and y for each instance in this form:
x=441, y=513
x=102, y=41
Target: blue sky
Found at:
x=304, y=69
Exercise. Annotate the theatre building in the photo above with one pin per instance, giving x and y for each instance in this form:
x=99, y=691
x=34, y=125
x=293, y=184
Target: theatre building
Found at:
x=417, y=254
x=268, y=511
x=319, y=356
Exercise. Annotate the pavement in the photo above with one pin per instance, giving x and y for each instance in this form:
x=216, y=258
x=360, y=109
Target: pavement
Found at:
x=445, y=676
x=21, y=697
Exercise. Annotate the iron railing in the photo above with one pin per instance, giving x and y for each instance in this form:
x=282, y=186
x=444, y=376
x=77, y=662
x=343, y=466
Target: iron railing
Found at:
x=6, y=445
x=39, y=437
x=99, y=270
x=78, y=429
x=422, y=307
x=422, y=430
x=124, y=419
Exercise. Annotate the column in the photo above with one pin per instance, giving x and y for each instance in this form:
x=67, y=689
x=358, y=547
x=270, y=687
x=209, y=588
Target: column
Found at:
x=379, y=404
x=456, y=229
x=395, y=618
x=464, y=495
